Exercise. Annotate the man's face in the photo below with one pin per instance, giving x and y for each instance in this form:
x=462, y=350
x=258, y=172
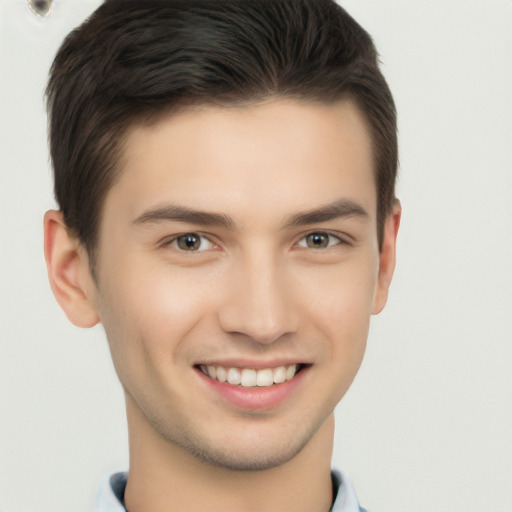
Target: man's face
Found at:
x=240, y=243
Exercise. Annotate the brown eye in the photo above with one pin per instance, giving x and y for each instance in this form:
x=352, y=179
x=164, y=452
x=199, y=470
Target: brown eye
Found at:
x=189, y=242
x=319, y=240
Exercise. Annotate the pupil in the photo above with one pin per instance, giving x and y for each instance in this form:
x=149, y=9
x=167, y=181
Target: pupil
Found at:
x=318, y=239
x=188, y=242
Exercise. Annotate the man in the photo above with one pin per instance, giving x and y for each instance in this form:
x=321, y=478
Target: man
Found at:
x=225, y=175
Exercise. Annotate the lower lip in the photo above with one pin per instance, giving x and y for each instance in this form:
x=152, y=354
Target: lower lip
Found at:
x=255, y=398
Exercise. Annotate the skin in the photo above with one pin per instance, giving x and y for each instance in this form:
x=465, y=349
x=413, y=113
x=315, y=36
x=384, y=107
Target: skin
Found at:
x=257, y=290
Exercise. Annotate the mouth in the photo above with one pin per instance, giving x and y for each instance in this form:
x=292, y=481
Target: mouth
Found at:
x=252, y=377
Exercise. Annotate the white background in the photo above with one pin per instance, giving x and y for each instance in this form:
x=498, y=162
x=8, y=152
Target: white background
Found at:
x=427, y=426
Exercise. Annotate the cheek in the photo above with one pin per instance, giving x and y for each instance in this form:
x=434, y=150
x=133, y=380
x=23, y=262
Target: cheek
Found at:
x=342, y=304
x=146, y=314
x=346, y=319
x=344, y=291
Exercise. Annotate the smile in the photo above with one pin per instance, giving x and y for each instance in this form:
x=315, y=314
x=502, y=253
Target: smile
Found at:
x=249, y=377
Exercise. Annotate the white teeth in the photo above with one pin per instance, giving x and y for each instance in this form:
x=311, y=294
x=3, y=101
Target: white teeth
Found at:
x=291, y=371
x=234, y=376
x=249, y=377
x=280, y=375
x=265, y=377
x=222, y=374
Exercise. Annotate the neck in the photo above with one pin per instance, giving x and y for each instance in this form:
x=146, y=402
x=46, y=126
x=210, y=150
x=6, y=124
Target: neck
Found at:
x=165, y=477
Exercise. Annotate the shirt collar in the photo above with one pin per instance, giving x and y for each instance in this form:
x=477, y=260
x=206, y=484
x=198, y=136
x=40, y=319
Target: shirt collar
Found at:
x=111, y=491
x=346, y=499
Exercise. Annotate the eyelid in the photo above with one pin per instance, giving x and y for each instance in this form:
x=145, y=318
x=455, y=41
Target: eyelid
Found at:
x=172, y=240
x=340, y=238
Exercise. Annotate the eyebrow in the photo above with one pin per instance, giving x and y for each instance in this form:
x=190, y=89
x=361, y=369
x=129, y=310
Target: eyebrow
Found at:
x=338, y=209
x=185, y=214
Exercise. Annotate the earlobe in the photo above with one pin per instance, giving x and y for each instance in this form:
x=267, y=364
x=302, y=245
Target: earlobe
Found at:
x=387, y=258
x=68, y=271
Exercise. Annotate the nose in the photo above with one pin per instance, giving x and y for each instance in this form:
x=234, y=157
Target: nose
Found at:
x=259, y=302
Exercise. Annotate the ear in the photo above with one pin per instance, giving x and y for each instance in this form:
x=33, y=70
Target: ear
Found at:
x=387, y=258
x=68, y=271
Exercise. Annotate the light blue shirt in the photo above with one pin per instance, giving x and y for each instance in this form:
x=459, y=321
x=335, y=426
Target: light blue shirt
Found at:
x=112, y=488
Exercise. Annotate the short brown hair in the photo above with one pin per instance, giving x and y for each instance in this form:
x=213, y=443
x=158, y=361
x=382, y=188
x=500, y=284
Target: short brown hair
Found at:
x=132, y=59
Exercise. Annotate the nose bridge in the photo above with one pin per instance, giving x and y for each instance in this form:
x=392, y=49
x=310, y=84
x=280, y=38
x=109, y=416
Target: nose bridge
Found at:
x=259, y=303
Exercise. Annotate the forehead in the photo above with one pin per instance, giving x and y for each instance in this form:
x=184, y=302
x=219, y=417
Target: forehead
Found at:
x=272, y=157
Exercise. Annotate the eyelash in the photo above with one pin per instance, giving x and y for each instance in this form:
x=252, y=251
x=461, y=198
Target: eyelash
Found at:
x=331, y=238
x=333, y=241
x=174, y=241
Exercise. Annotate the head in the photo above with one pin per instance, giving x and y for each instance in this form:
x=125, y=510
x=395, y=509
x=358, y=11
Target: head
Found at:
x=225, y=173
x=132, y=62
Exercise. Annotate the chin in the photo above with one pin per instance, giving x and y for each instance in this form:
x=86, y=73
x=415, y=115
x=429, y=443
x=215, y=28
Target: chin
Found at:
x=249, y=445
x=258, y=450
x=256, y=459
